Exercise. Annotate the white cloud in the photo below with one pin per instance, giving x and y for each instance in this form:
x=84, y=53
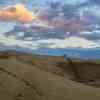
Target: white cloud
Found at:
x=86, y=32
x=20, y=34
x=69, y=42
x=91, y=9
x=5, y=27
x=12, y=41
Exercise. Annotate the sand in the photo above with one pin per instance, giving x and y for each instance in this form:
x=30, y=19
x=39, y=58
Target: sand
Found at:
x=26, y=77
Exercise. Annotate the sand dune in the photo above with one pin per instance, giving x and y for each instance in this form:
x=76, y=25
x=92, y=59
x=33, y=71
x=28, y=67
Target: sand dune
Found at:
x=27, y=77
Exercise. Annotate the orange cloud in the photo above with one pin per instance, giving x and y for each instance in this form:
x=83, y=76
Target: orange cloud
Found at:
x=18, y=13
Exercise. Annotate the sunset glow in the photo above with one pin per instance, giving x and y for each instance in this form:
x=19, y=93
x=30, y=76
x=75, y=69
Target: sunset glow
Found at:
x=18, y=13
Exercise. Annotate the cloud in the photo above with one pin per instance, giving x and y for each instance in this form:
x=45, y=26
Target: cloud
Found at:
x=6, y=27
x=17, y=12
x=30, y=43
x=72, y=2
x=11, y=41
x=90, y=35
x=72, y=42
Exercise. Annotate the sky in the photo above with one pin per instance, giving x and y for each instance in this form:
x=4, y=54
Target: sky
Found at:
x=79, y=19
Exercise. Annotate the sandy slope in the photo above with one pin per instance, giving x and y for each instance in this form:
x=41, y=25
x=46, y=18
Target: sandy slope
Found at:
x=23, y=81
